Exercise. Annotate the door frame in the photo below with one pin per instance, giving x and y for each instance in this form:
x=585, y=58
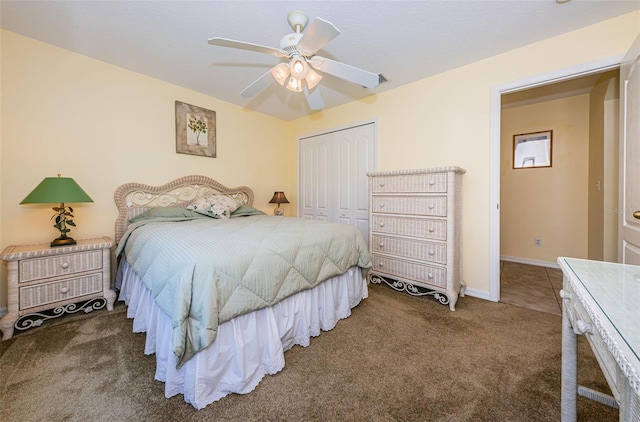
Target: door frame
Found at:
x=560, y=75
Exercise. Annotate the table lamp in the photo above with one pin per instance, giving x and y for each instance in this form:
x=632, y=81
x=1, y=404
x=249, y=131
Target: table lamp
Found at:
x=59, y=190
x=278, y=198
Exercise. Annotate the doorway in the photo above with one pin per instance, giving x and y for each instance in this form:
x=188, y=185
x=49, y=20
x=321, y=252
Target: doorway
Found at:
x=545, y=210
x=498, y=93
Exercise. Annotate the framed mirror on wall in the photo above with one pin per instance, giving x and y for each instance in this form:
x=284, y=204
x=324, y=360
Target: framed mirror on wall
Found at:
x=532, y=149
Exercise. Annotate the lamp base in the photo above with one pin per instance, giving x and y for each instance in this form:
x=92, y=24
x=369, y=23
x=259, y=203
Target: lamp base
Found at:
x=278, y=211
x=63, y=241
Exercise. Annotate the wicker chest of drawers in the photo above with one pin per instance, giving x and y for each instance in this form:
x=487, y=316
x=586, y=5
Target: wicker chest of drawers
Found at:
x=414, y=231
x=41, y=278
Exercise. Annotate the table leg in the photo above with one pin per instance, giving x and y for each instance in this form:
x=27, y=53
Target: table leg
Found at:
x=569, y=394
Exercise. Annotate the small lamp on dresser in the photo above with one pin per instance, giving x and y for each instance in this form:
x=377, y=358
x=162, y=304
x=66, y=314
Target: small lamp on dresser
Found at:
x=59, y=190
x=278, y=198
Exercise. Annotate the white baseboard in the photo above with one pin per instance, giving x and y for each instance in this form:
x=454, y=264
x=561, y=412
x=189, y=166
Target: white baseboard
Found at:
x=3, y=311
x=480, y=294
x=530, y=261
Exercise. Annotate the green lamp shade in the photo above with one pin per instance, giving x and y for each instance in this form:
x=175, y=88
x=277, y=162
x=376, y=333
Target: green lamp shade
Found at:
x=57, y=190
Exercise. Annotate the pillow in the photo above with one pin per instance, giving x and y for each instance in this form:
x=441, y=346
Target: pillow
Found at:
x=159, y=212
x=214, y=205
x=245, y=210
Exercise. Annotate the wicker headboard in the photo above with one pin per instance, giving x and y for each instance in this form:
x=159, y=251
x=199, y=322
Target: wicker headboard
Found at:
x=133, y=199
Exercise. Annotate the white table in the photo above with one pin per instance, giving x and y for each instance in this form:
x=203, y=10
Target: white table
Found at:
x=601, y=300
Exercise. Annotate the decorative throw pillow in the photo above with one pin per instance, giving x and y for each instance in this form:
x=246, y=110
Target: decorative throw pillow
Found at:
x=214, y=205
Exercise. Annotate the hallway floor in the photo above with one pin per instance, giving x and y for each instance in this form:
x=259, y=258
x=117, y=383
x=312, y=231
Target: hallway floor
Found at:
x=531, y=286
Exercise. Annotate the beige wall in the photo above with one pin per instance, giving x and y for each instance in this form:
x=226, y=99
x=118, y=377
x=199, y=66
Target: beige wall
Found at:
x=595, y=186
x=550, y=203
x=105, y=126
x=611, y=175
x=445, y=120
x=2, y=267
x=603, y=169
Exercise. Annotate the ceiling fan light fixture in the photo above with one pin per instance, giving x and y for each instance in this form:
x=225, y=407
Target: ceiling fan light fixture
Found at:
x=312, y=79
x=280, y=73
x=298, y=67
x=294, y=84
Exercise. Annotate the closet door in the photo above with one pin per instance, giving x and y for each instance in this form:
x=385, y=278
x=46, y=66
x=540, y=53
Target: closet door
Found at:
x=356, y=157
x=333, y=182
x=315, y=156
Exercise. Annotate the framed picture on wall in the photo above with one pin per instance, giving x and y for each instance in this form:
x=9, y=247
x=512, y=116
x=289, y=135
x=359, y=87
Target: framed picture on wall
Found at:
x=195, y=130
x=532, y=149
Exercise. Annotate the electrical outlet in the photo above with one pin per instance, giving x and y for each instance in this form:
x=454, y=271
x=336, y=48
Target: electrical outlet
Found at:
x=537, y=242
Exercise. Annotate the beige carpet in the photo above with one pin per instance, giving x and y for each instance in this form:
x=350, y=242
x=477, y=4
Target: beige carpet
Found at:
x=397, y=358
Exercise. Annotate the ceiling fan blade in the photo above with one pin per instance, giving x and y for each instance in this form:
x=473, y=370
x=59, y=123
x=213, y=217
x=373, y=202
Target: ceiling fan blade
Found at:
x=316, y=36
x=344, y=71
x=258, y=85
x=314, y=98
x=224, y=42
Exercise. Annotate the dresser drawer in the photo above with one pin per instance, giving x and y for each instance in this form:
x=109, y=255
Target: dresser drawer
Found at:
x=409, y=248
x=413, y=205
x=55, y=291
x=416, y=227
x=415, y=183
x=57, y=265
x=412, y=271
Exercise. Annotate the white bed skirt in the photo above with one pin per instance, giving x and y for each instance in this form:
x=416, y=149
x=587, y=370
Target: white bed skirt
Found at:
x=246, y=348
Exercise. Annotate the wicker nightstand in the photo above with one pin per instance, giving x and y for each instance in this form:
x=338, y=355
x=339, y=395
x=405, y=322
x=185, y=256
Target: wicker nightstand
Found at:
x=41, y=278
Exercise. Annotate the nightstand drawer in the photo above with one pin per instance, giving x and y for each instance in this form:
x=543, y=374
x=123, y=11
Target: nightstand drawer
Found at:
x=57, y=265
x=409, y=248
x=414, y=227
x=414, y=205
x=429, y=182
x=412, y=271
x=47, y=293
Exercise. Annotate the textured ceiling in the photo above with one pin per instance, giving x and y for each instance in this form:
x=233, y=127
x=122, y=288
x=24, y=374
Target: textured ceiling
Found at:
x=404, y=40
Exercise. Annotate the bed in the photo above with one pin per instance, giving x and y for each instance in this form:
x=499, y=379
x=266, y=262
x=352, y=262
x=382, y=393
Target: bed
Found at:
x=221, y=289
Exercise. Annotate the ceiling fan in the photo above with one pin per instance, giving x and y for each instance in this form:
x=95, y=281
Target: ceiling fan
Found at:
x=298, y=60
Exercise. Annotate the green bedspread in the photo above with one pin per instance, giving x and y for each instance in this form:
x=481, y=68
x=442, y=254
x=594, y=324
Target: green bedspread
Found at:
x=203, y=272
